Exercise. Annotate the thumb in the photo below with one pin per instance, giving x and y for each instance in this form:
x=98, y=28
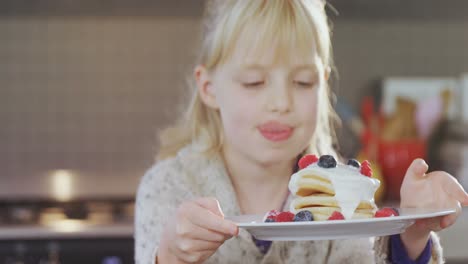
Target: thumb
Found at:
x=464, y=202
x=211, y=204
x=417, y=169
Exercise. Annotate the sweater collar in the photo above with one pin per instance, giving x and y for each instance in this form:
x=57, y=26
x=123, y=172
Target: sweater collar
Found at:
x=210, y=177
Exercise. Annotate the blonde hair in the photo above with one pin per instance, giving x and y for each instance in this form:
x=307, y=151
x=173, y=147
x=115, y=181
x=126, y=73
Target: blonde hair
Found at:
x=296, y=23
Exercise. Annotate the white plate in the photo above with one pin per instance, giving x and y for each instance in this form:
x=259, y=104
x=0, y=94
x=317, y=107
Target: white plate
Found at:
x=338, y=229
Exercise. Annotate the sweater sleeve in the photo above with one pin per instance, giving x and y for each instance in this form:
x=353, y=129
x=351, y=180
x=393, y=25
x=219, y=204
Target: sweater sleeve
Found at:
x=399, y=254
x=160, y=192
x=382, y=247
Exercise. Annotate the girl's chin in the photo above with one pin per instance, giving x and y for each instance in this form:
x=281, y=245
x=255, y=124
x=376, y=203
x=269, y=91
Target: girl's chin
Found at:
x=275, y=157
x=287, y=150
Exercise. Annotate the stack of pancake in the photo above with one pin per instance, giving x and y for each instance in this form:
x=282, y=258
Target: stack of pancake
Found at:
x=325, y=190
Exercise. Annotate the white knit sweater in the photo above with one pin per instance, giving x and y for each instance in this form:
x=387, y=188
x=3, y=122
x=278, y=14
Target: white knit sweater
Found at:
x=191, y=174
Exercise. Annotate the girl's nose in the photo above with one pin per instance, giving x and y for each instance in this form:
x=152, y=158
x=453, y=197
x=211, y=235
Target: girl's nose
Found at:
x=279, y=99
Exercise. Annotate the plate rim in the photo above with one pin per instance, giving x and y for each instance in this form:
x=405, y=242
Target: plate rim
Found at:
x=405, y=217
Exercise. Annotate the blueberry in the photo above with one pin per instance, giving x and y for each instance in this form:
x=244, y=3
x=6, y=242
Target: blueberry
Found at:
x=303, y=216
x=397, y=212
x=354, y=163
x=269, y=220
x=327, y=161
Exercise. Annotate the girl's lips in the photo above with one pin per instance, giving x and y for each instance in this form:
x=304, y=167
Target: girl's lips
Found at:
x=275, y=131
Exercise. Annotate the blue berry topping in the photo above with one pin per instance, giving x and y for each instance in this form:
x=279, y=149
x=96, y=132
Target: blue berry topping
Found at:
x=327, y=161
x=303, y=216
x=354, y=163
x=397, y=212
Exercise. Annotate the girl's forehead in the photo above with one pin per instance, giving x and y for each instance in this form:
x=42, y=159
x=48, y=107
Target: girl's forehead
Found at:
x=253, y=49
x=273, y=56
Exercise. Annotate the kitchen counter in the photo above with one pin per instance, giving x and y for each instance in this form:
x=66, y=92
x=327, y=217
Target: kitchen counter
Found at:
x=73, y=229
x=453, y=239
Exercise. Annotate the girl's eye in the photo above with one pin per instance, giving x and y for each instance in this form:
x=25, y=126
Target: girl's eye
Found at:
x=304, y=84
x=253, y=84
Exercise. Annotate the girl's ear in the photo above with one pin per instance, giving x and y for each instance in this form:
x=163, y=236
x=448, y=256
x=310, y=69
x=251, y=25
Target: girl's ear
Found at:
x=327, y=73
x=205, y=87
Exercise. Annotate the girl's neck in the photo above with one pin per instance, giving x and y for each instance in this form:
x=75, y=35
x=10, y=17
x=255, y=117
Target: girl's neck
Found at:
x=259, y=187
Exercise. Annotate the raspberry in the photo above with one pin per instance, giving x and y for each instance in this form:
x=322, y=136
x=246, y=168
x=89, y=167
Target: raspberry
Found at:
x=386, y=212
x=366, y=169
x=336, y=216
x=272, y=214
x=307, y=160
x=285, y=217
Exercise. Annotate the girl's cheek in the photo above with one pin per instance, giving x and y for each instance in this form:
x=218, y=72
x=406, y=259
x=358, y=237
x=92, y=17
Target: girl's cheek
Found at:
x=246, y=110
x=307, y=105
x=240, y=108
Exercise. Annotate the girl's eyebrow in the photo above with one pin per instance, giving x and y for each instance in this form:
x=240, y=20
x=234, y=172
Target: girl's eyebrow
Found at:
x=260, y=67
x=311, y=67
x=252, y=67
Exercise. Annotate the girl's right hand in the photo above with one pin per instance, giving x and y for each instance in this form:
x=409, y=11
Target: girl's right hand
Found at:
x=198, y=230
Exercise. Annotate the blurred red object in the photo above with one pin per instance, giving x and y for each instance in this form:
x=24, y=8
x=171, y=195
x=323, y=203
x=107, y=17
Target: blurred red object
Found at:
x=394, y=158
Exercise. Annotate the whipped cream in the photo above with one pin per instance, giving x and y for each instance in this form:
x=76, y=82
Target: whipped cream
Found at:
x=351, y=187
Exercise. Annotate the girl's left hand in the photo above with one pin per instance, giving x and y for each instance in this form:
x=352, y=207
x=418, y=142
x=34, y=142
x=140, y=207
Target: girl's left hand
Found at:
x=435, y=190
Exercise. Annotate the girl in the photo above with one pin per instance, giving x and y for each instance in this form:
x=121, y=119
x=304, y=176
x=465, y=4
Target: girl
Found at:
x=260, y=102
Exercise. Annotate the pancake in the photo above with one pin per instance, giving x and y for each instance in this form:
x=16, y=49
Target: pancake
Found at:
x=325, y=186
x=321, y=200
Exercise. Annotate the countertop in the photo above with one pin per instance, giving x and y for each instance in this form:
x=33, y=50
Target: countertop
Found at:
x=67, y=230
x=453, y=239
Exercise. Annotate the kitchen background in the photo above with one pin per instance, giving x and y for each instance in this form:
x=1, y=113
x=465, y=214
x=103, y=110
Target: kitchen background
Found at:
x=85, y=87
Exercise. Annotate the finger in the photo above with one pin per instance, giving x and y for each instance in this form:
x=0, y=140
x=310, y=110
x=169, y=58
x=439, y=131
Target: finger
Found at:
x=211, y=204
x=417, y=169
x=192, y=246
x=455, y=190
x=196, y=257
x=204, y=218
x=190, y=230
x=227, y=237
x=430, y=224
x=450, y=219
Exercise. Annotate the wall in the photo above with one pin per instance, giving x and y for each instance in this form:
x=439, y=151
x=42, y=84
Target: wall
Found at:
x=368, y=51
x=89, y=93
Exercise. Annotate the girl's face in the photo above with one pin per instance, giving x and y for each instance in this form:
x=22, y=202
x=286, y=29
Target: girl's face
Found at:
x=268, y=109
